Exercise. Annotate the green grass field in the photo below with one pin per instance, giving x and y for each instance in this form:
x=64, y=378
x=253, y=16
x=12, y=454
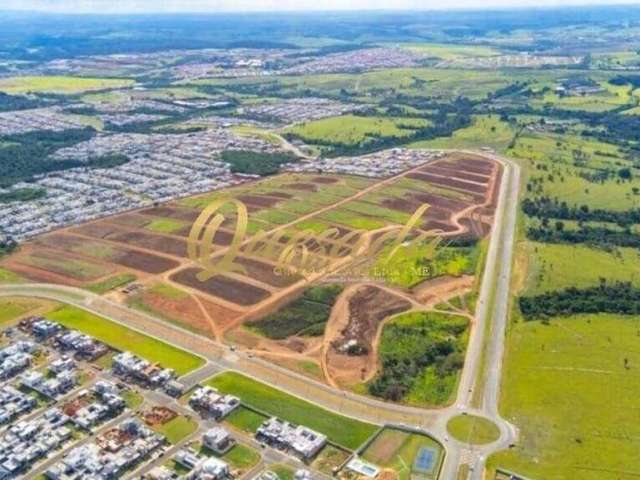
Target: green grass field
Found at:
x=486, y=131
x=352, y=130
x=473, y=430
x=241, y=457
x=567, y=389
x=341, y=430
x=166, y=225
x=178, y=429
x=12, y=308
x=59, y=84
x=451, y=52
x=284, y=472
x=7, y=276
x=555, y=267
x=111, y=283
x=245, y=419
x=123, y=338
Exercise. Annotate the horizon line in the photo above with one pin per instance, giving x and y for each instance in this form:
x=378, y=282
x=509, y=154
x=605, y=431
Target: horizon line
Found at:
x=443, y=8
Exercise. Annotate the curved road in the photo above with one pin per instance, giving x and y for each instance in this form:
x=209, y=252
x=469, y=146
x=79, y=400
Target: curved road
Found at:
x=494, y=293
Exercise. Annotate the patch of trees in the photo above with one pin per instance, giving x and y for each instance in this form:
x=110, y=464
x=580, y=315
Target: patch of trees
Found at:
x=621, y=80
x=7, y=245
x=545, y=207
x=107, y=161
x=620, y=297
x=26, y=155
x=598, y=236
x=256, y=163
x=22, y=195
x=10, y=103
x=307, y=315
x=407, y=349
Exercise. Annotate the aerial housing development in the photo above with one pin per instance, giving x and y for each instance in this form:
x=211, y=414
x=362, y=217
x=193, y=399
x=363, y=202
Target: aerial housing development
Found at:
x=371, y=245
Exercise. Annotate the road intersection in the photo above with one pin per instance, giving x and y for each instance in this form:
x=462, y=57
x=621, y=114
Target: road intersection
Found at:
x=481, y=373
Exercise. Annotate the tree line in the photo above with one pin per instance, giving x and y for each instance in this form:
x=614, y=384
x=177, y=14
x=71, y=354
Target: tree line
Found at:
x=620, y=297
x=603, y=237
x=545, y=207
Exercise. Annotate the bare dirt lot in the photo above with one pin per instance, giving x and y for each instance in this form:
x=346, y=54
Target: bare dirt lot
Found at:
x=352, y=333
x=221, y=286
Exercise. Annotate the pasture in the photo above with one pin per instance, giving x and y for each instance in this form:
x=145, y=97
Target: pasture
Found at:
x=555, y=267
x=572, y=388
x=486, y=131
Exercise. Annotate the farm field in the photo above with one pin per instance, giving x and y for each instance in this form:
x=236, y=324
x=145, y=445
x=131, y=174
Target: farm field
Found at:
x=122, y=338
x=59, y=84
x=341, y=430
x=400, y=452
x=547, y=368
x=555, y=267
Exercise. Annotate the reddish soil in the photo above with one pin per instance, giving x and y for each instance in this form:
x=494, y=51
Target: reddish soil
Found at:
x=452, y=172
x=265, y=273
x=221, y=286
x=102, y=230
x=476, y=228
x=60, y=241
x=222, y=316
x=368, y=307
x=277, y=194
x=474, y=165
x=145, y=262
x=28, y=257
x=260, y=201
x=158, y=243
x=437, y=290
x=186, y=214
x=495, y=193
x=435, y=225
x=158, y=415
x=305, y=187
x=37, y=275
x=440, y=201
x=325, y=180
x=184, y=310
x=448, y=182
x=130, y=220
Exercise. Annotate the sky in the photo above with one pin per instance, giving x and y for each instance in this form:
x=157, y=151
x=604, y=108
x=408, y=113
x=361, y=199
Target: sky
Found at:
x=170, y=6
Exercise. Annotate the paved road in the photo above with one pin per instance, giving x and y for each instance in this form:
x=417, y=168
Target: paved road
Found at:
x=432, y=421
